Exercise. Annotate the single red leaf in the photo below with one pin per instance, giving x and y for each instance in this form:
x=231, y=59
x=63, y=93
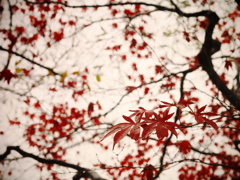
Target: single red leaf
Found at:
x=128, y=119
x=90, y=108
x=135, y=132
x=199, y=118
x=37, y=105
x=146, y=90
x=170, y=127
x=110, y=133
x=130, y=88
x=120, y=135
x=211, y=123
x=228, y=64
x=147, y=130
x=161, y=131
x=115, y=25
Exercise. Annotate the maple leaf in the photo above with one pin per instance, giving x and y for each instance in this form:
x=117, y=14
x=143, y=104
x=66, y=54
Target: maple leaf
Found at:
x=228, y=64
x=7, y=75
x=37, y=105
x=181, y=104
x=122, y=129
x=139, y=114
x=130, y=88
x=90, y=108
x=160, y=126
x=199, y=116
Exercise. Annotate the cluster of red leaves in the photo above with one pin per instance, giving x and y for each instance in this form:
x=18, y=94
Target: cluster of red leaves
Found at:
x=199, y=116
x=201, y=171
x=39, y=24
x=147, y=122
x=127, y=12
x=48, y=129
x=184, y=146
x=132, y=159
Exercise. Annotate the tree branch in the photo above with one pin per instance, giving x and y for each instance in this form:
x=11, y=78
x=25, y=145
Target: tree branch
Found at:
x=161, y=168
x=81, y=172
x=236, y=143
x=202, y=152
x=203, y=162
x=158, y=7
x=238, y=2
x=29, y=60
x=209, y=47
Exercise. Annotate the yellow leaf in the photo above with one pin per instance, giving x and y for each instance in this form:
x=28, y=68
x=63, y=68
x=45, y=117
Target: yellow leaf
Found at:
x=17, y=62
x=76, y=73
x=98, y=78
x=18, y=70
x=88, y=87
x=63, y=76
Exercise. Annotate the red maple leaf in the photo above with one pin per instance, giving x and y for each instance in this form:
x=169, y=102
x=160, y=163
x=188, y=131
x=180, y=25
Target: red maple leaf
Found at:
x=7, y=75
x=90, y=108
x=140, y=112
x=199, y=116
x=181, y=104
x=160, y=126
x=130, y=88
x=228, y=64
x=37, y=105
x=122, y=129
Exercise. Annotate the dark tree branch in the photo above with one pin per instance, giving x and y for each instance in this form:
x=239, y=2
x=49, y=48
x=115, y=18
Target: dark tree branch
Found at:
x=10, y=13
x=211, y=164
x=238, y=2
x=209, y=47
x=81, y=172
x=162, y=8
x=29, y=60
x=202, y=152
x=161, y=168
x=158, y=7
x=236, y=143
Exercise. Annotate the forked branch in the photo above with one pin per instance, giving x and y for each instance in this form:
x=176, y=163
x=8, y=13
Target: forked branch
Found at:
x=81, y=172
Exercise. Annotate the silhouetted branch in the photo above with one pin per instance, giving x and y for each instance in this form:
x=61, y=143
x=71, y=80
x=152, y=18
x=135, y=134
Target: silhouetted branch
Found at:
x=81, y=172
x=161, y=168
x=203, y=162
x=209, y=47
x=238, y=2
x=29, y=60
x=157, y=7
x=236, y=143
x=202, y=152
